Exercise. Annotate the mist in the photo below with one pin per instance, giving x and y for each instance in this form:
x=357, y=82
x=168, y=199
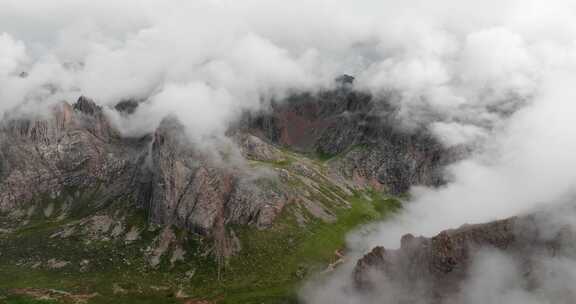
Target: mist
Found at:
x=495, y=76
x=521, y=162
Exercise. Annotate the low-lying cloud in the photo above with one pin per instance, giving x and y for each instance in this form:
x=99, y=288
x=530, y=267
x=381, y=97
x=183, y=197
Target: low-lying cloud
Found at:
x=450, y=59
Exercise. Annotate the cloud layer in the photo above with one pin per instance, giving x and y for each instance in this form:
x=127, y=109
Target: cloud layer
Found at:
x=448, y=59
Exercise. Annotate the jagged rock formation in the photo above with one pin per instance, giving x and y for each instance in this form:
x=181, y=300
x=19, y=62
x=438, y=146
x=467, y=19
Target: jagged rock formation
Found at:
x=75, y=147
x=77, y=196
x=185, y=188
x=179, y=184
x=435, y=268
x=375, y=149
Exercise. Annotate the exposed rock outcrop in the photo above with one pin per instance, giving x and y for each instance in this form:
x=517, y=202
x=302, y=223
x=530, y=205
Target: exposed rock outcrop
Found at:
x=436, y=267
x=179, y=184
x=190, y=191
x=375, y=149
x=74, y=147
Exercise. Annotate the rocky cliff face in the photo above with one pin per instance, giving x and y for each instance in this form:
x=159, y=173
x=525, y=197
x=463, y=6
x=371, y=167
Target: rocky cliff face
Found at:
x=434, y=269
x=375, y=149
x=74, y=147
x=178, y=184
x=186, y=187
x=261, y=207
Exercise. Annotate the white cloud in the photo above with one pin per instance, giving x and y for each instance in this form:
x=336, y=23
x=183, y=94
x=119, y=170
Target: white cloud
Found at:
x=12, y=54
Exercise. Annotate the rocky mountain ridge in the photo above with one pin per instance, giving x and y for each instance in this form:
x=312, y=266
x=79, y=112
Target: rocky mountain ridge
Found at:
x=77, y=197
x=436, y=269
x=177, y=185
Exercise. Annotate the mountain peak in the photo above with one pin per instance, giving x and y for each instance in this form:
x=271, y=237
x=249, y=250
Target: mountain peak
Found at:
x=87, y=106
x=344, y=81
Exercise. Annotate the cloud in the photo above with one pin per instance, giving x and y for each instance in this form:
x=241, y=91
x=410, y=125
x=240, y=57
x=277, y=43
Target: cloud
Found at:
x=255, y=50
x=12, y=54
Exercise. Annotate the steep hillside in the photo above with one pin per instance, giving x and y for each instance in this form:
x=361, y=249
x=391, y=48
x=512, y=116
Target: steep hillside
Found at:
x=88, y=214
